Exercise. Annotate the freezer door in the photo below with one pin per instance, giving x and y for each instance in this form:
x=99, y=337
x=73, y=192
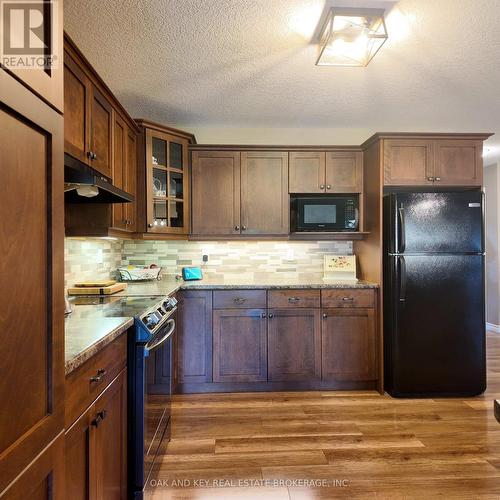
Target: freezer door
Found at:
x=439, y=222
x=438, y=334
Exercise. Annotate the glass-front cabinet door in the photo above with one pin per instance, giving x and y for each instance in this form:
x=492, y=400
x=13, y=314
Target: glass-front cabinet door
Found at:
x=167, y=183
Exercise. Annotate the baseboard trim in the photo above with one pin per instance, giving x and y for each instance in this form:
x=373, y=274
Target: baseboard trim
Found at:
x=493, y=328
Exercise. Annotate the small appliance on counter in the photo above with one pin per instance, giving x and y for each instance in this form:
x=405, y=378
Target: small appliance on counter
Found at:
x=330, y=213
x=192, y=273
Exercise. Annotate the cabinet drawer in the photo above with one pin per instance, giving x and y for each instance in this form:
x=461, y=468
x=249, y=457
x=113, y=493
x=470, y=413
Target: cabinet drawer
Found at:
x=348, y=297
x=87, y=382
x=239, y=299
x=293, y=298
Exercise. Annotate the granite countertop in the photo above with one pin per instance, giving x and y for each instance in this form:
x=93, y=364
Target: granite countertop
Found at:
x=168, y=285
x=86, y=336
x=88, y=329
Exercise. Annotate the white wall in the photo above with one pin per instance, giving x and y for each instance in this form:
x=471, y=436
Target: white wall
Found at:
x=492, y=193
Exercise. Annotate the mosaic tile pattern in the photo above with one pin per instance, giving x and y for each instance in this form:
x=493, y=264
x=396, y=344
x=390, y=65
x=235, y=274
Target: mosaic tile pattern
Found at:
x=90, y=258
x=242, y=259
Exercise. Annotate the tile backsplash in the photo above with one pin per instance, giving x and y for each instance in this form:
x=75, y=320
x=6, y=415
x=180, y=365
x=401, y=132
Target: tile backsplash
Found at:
x=94, y=258
x=231, y=259
x=90, y=258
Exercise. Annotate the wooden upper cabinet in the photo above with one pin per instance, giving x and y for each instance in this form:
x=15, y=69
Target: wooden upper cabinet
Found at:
x=264, y=195
x=77, y=92
x=100, y=133
x=31, y=211
x=307, y=172
x=131, y=178
x=458, y=163
x=45, y=82
x=433, y=162
x=216, y=192
x=119, y=169
x=408, y=162
x=164, y=172
x=88, y=117
x=344, y=172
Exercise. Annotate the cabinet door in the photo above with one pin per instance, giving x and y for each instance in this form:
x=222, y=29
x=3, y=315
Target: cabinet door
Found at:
x=131, y=177
x=408, y=162
x=344, y=172
x=348, y=344
x=216, y=193
x=77, y=90
x=78, y=448
x=294, y=344
x=110, y=453
x=194, y=337
x=264, y=193
x=458, y=163
x=101, y=133
x=44, y=478
x=119, y=170
x=240, y=345
x=46, y=82
x=31, y=231
x=307, y=172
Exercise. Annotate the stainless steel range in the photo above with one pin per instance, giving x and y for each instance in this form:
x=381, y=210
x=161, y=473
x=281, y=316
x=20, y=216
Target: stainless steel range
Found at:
x=150, y=372
x=150, y=368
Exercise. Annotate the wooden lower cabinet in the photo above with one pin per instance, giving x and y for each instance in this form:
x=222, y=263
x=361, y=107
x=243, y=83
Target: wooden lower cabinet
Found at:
x=294, y=344
x=348, y=344
x=240, y=345
x=194, y=337
x=96, y=447
x=44, y=478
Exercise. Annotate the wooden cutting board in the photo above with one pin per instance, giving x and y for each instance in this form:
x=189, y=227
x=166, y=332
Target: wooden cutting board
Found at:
x=95, y=283
x=97, y=290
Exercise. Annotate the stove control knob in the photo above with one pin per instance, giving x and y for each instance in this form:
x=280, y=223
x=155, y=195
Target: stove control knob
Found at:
x=169, y=304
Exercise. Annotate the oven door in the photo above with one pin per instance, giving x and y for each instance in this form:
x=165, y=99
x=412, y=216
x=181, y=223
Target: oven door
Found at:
x=158, y=389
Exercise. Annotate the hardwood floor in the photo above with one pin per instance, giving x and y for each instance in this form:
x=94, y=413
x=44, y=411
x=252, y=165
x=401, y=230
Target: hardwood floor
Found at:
x=307, y=445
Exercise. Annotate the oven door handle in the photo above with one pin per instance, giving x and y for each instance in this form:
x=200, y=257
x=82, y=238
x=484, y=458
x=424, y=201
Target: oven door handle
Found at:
x=148, y=348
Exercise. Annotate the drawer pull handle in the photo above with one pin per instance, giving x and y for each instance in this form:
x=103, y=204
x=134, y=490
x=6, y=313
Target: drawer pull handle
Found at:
x=98, y=376
x=99, y=418
x=293, y=299
x=348, y=299
x=239, y=300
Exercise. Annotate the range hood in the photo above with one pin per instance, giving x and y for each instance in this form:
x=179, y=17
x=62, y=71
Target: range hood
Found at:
x=83, y=184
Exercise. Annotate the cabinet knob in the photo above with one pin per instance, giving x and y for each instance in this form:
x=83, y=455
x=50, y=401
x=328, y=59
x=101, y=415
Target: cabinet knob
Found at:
x=263, y=315
x=431, y=179
x=236, y=228
x=348, y=299
x=325, y=316
x=150, y=225
x=437, y=178
x=293, y=300
x=243, y=228
x=90, y=155
x=328, y=186
x=322, y=186
x=271, y=316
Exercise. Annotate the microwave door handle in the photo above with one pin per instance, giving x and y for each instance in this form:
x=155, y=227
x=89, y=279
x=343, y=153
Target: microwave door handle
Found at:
x=402, y=230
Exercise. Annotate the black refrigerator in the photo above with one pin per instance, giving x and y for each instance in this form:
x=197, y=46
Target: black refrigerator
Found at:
x=434, y=307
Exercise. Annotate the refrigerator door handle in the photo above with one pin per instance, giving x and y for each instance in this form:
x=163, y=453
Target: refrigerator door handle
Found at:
x=402, y=280
x=402, y=230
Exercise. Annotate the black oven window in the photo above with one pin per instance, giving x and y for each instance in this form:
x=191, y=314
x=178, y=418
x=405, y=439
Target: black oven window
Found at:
x=320, y=214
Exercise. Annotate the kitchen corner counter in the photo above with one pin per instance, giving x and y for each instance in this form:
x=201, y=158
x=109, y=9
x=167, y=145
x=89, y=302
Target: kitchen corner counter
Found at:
x=169, y=285
x=85, y=337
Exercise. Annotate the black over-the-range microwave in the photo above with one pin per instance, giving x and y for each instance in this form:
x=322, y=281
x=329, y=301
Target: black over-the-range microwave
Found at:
x=325, y=213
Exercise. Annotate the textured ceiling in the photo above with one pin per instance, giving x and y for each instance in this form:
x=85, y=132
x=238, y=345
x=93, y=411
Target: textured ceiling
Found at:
x=250, y=63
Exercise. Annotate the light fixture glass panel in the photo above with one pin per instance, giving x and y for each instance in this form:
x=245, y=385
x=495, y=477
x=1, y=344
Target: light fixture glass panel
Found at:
x=351, y=37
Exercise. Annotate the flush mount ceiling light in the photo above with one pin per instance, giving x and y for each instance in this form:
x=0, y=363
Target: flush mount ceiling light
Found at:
x=351, y=37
